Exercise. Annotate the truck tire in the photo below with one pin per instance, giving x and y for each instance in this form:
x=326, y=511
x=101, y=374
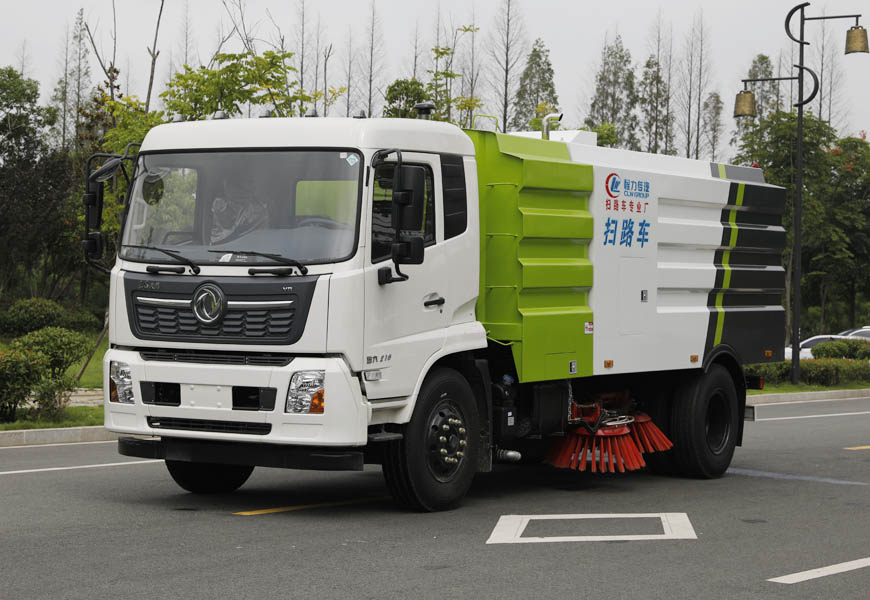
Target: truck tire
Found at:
x=704, y=424
x=208, y=478
x=432, y=466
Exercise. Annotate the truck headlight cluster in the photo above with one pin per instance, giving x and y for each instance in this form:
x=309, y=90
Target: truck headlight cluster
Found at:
x=305, y=394
x=120, y=383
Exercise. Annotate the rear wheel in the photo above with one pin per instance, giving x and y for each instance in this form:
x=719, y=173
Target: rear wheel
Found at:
x=208, y=478
x=432, y=466
x=704, y=424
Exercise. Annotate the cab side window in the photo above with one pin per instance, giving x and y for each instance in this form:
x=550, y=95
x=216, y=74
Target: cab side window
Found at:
x=383, y=234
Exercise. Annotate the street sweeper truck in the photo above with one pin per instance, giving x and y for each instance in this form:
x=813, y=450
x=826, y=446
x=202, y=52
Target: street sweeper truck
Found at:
x=319, y=293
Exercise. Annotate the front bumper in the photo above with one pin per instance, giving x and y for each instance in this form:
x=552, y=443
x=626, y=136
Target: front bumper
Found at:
x=206, y=402
x=244, y=453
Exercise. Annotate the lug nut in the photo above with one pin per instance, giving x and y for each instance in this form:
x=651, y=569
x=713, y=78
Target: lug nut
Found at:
x=462, y=430
x=445, y=427
x=443, y=450
x=462, y=443
x=442, y=439
x=460, y=453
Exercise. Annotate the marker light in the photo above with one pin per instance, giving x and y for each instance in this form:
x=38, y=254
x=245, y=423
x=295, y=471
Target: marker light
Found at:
x=120, y=383
x=306, y=394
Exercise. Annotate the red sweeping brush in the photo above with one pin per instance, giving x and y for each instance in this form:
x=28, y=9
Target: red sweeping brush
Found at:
x=647, y=436
x=609, y=449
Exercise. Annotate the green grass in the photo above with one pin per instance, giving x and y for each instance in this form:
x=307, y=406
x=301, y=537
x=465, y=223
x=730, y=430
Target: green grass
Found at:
x=93, y=375
x=73, y=416
x=788, y=388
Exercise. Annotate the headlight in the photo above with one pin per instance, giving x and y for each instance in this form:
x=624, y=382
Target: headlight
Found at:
x=305, y=394
x=120, y=383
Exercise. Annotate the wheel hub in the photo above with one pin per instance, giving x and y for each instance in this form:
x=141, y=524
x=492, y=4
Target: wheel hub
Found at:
x=447, y=441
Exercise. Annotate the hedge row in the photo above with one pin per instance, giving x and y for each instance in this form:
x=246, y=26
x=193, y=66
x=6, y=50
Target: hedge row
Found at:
x=32, y=314
x=855, y=348
x=822, y=371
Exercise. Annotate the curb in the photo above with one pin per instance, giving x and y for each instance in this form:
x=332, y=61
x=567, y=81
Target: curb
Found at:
x=59, y=435
x=806, y=396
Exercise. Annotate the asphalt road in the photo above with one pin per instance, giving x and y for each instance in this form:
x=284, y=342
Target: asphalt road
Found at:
x=795, y=500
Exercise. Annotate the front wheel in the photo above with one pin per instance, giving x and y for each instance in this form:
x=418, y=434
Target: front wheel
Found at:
x=704, y=424
x=432, y=466
x=208, y=478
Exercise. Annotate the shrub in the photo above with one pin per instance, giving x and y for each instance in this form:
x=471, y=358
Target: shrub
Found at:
x=821, y=371
x=51, y=396
x=81, y=320
x=20, y=371
x=775, y=372
x=31, y=314
x=854, y=348
x=61, y=347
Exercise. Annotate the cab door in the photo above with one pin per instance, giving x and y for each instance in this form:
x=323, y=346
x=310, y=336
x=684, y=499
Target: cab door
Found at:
x=405, y=321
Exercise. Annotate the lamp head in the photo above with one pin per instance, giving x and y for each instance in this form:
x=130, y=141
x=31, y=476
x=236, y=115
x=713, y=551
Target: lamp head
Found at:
x=744, y=104
x=856, y=40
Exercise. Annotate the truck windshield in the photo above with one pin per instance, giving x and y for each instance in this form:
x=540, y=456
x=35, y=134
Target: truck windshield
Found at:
x=301, y=204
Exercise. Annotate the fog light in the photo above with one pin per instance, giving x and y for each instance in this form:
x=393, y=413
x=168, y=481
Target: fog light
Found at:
x=305, y=394
x=120, y=383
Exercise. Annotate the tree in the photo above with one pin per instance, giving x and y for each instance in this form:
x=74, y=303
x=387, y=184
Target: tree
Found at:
x=60, y=97
x=348, y=74
x=239, y=80
x=469, y=99
x=615, y=97
x=372, y=66
x=401, y=97
x=766, y=95
x=536, y=87
x=153, y=52
x=712, y=124
x=653, y=99
x=695, y=77
x=506, y=52
x=22, y=120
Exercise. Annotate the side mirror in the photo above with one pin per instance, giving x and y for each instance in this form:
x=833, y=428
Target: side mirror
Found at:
x=409, y=198
x=409, y=252
x=93, y=201
x=93, y=245
x=109, y=168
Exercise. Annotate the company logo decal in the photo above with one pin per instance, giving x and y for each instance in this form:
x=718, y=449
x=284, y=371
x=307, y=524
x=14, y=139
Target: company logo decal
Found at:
x=612, y=185
x=209, y=304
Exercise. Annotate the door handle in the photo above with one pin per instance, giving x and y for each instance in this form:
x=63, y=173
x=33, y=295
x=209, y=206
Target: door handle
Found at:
x=437, y=301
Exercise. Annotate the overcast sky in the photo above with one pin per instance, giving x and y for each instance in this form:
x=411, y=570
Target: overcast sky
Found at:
x=574, y=31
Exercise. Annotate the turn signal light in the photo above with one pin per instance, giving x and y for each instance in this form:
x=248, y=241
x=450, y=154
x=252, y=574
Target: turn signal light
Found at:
x=608, y=364
x=317, y=403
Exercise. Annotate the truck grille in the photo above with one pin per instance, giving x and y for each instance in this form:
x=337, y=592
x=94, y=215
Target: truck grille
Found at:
x=210, y=426
x=237, y=324
x=218, y=358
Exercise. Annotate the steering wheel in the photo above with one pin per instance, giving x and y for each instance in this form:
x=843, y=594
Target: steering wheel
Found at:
x=318, y=221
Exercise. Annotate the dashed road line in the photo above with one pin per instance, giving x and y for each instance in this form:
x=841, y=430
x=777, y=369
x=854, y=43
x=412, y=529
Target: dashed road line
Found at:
x=822, y=571
x=48, y=469
x=769, y=475
x=847, y=414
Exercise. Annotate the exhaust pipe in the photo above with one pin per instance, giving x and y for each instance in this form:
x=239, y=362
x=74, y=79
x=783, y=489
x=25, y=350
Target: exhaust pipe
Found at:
x=545, y=123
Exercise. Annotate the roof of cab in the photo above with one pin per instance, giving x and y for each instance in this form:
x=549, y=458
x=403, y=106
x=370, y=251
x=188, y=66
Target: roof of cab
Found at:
x=406, y=134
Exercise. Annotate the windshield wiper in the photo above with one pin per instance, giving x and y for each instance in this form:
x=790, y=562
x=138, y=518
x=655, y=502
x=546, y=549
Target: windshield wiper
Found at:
x=275, y=257
x=182, y=259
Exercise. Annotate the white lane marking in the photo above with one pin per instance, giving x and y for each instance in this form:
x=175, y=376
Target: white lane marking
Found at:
x=812, y=401
x=849, y=414
x=769, y=475
x=823, y=571
x=58, y=444
x=45, y=470
x=509, y=529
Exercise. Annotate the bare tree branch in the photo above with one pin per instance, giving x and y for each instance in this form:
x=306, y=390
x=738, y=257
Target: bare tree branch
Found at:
x=153, y=52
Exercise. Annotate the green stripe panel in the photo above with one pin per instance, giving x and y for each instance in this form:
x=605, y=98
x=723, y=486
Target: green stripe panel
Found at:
x=535, y=269
x=726, y=258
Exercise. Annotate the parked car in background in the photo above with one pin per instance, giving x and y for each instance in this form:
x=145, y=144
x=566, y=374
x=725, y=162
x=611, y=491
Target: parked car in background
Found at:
x=857, y=332
x=808, y=344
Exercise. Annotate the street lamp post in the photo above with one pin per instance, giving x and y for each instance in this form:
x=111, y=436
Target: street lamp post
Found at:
x=856, y=41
